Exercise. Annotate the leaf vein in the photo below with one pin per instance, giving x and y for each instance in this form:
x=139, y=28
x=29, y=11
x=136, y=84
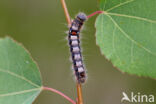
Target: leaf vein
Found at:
x=25, y=102
x=129, y=16
x=19, y=92
x=128, y=37
x=121, y=4
x=18, y=76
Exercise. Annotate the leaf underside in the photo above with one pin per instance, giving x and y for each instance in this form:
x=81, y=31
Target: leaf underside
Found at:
x=126, y=34
x=20, y=80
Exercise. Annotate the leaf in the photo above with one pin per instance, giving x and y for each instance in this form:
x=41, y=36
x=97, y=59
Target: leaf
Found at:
x=20, y=80
x=126, y=34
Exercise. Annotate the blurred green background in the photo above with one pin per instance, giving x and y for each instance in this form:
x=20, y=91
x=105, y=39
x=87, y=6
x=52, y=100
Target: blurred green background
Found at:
x=41, y=27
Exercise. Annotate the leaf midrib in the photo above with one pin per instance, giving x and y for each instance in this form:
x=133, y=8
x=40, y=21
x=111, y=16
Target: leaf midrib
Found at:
x=131, y=16
x=20, y=92
x=19, y=76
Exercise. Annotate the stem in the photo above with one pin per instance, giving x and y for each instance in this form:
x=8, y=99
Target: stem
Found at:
x=79, y=94
x=60, y=93
x=97, y=12
x=79, y=89
x=66, y=12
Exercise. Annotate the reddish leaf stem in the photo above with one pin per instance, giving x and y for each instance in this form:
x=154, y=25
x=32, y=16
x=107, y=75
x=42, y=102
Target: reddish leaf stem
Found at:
x=60, y=93
x=97, y=12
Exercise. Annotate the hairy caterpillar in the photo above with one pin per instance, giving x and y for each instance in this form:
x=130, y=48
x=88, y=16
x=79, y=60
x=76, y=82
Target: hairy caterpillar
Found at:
x=75, y=49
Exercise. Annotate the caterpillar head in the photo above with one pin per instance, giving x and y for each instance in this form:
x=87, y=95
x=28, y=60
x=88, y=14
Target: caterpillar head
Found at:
x=82, y=17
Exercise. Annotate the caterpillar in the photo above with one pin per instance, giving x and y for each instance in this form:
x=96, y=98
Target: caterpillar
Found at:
x=75, y=49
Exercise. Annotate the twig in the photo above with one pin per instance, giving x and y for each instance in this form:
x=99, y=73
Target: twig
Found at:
x=60, y=93
x=79, y=89
x=66, y=12
x=79, y=94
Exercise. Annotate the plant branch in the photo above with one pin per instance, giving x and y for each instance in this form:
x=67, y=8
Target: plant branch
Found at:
x=79, y=94
x=66, y=12
x=79, y=89
x=60, y=93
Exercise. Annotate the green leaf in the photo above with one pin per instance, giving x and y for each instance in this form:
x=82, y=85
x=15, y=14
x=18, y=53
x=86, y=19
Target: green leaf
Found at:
x=126, y=34
x=20, y=80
